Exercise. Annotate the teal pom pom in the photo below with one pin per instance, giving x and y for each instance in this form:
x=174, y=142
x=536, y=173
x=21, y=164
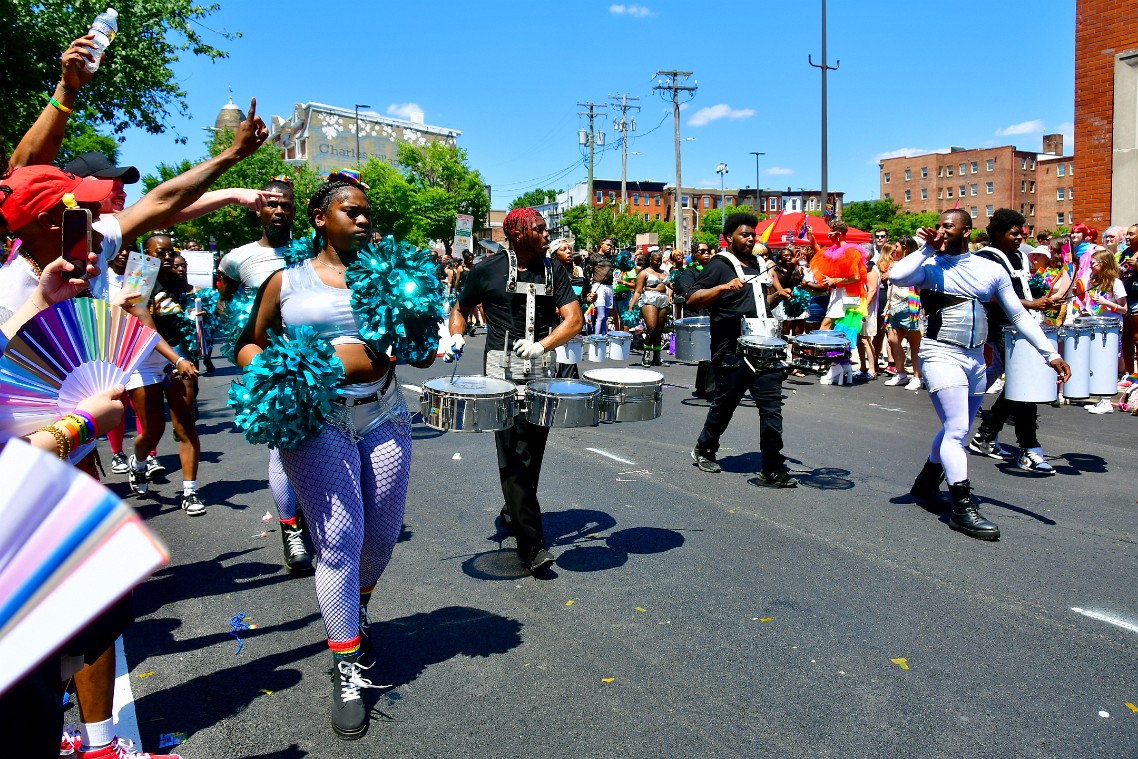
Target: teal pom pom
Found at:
x=798, y=303
x=299, y=250
x=286, y=392
x=1038, y=285
x=631, y=317
x=624, y=262
x=237, y=312
x=211, y=322
x=398, y=298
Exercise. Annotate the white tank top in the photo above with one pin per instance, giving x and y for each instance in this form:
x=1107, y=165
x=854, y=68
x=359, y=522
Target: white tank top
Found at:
x=305, y=300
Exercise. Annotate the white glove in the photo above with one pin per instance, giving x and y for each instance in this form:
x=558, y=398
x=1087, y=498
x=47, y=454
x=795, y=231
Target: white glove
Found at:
x=528, y=350
x=452, y=350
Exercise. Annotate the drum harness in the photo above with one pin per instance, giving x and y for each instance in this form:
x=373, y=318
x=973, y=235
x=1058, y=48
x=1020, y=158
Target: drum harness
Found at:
x=531, y=290
x=763, y=325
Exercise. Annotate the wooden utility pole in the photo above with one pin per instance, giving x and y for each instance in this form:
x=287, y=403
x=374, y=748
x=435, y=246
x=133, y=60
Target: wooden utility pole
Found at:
x=673, y=86
x=624, y=126
x=591, y=139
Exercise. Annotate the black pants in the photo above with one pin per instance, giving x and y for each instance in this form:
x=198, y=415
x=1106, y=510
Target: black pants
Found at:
x=733, y=378
x=1026, y=415
x=567, y=371
x=704, y=380
x=520, y=451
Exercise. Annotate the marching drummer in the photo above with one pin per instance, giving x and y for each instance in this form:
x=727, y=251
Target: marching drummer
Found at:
x=729, y=289
x=953, y=282
x=530, y=309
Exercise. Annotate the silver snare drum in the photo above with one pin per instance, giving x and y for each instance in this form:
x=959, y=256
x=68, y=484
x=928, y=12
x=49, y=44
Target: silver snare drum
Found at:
x=629, y=395
x=469, y=403
x=762, y=353
x=693, y=338
x=817, y=351
x=562, y=403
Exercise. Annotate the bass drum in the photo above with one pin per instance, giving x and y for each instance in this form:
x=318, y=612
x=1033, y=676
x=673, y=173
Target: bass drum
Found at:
x=469, y=403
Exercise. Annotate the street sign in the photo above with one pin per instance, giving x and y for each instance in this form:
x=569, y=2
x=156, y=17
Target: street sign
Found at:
x=463, y=234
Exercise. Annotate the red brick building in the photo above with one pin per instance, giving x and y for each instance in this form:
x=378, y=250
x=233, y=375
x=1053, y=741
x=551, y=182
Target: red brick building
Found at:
x=1106, y=112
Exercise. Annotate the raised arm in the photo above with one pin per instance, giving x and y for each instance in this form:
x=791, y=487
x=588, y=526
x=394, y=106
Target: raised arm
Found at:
x=168, y=198
x=210, y=201
x=909, y=271
x=40, y=144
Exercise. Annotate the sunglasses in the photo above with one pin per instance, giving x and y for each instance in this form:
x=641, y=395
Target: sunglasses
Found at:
x=882, y=237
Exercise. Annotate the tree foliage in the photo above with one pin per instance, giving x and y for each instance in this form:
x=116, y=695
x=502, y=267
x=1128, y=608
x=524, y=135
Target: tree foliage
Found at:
x=868, y=215
x=534, y=198
x=608, y=222
x=442, y=186
x=135, y=86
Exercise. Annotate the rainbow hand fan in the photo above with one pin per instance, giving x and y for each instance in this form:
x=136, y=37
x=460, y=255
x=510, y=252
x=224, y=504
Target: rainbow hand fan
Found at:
x=64, y=354
x=69, y=548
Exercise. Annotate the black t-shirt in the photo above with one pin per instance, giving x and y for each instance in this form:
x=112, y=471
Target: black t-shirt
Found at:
x=601, y=268
x=728, y=309
x=684, y=284
x=997, y=319
x=486, y=286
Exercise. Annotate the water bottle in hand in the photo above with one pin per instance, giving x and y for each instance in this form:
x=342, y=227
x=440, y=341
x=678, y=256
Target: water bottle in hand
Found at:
x=104, y=27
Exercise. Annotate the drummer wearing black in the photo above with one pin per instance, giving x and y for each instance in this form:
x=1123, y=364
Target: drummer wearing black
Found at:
x=685, y=283
x=525, y=324
x=730, y=299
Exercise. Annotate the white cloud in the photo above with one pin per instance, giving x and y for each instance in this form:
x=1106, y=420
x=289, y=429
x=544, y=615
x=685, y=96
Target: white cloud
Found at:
x=636, y=11
x=779, y=171
x=904, y=152
x=1034, y=126
x=404, y=110
x=705, y=116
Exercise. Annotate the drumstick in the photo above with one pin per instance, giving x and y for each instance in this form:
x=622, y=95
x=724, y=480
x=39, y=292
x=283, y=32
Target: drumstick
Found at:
x=457, y=358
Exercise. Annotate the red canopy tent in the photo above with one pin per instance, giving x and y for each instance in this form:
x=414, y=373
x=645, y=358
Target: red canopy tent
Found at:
x=787, y=225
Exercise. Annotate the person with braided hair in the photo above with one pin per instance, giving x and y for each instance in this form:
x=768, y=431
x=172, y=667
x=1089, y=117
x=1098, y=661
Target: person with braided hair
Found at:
x=351, y=475
x=520, y=338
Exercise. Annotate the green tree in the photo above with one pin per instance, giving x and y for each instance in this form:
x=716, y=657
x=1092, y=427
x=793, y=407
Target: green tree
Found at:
x=135, y=86
x=82, y=137
x=235, y=225
x=868, y=215
x=907, y=223
x=534, y=198
x=444, y=186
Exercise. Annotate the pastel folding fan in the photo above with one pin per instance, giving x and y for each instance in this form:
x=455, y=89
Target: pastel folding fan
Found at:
x=66, y=353
x=69, y=548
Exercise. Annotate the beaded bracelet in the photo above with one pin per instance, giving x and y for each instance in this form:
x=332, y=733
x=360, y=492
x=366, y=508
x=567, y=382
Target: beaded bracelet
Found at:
x=90, y=420
x=62, y=441
x=59, y=105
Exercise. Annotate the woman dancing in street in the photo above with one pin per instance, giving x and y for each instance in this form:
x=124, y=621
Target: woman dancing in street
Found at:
x=652, y=294
x=351, y=475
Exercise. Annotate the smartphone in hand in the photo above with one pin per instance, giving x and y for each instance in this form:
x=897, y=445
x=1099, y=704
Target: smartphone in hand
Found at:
x=77, y=240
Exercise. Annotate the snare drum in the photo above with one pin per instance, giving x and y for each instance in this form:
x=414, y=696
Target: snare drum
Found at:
x=562, y=403
x=620, y=345
x=570, y=352
x=1105, y=334
x=596, y=348
x=629, y=395
x=470, y=403
x=1076, y=340
x=1027, y=377
x=693, y=338
x=762, y=353
x=817, y=351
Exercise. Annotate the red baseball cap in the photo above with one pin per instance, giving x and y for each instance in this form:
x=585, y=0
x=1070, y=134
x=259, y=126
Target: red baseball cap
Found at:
x=31, y=190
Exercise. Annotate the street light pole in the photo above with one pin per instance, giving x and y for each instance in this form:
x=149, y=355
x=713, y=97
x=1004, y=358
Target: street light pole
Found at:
x=721, y=170
x=758, y=186
x=824, y=69
x=358, y=107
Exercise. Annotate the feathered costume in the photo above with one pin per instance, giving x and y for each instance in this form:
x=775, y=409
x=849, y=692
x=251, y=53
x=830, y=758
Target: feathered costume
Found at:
x=844, y=262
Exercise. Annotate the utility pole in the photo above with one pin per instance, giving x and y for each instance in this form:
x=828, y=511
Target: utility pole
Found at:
x=758, y=187
x=672, y=85
x=825, y=68
x=624, y=126
x=590, y=138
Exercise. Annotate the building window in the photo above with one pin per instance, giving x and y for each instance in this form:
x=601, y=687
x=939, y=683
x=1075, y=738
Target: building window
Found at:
x=657, y=200
x=657, y=217
x=1031, y=187
x=974, y=189
x=924, y=172
x=774, y=204
x=612, y=196
x=707, y=201
x=948, y=172
x=940, y=171
x=908, y=174
x=887, y=177
x=962, y=191
x=887, y=197
x=1022, y=209
x=635, y=198
x=908, y=195
x=991, y=164
x=940, y=194
x=645, y=217
x=949, y=193
x=1060, y=170
x=1023, y=185
x=1033, y=164
x=1061, y=194
x=975, y=168
x=974, y=212
x=962, y=167
x=731, y=201
x=924, y=194
x=989, y=188
x=988, y=211
x=1070, y=193
x=685, y=201
x=1059, y=218
x=1023, y=163
x=600, y=196
x=1031, y=209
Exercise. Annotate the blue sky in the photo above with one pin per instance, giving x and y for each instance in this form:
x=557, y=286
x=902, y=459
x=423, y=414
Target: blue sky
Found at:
x=914, y=75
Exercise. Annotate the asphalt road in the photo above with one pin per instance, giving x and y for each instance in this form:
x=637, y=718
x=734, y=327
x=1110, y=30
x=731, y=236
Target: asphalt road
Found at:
x=688, y=614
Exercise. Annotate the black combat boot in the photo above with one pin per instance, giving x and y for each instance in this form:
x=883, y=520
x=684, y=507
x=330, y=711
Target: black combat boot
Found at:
x=965, y=516
x=926, y=488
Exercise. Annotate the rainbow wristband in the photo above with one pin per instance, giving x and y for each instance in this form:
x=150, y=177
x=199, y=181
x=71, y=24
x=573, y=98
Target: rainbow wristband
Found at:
x=74, y=427
x=59, y=105
x=94, y=431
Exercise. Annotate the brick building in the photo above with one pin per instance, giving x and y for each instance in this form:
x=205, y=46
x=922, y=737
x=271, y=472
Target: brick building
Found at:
x=1106, y=112
x=983, y=179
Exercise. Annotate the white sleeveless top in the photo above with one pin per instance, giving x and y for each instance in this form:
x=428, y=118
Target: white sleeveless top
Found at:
x=305, y=300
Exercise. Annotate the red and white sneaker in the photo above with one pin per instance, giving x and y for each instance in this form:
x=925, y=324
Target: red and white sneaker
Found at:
x=119, y=748
x=69, y=743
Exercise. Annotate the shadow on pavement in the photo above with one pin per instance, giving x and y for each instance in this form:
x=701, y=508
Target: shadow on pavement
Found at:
x=220, y=493
x=1077, y=463
x=155, y=636
x=941, y=508
x=212, y=577
x=824, y=479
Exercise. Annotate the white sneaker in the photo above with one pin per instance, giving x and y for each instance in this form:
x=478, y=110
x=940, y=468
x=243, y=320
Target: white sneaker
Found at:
x=997, y=387
x=828, y=377
x=897, y=380
x=914, y=384
x=1031, y=460
x=1104, y=406
x=848, y=374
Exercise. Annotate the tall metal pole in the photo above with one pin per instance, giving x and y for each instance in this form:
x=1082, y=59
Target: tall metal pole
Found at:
x=824, y=67
x=359, y=161
x=624, y=127
x=674, y=88
x=758, y=187
x=591, y=113
x=721, y=170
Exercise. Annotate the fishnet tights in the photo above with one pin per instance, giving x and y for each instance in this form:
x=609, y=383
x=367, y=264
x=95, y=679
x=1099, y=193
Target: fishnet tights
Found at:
x=283, y=495
x=352, y=495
